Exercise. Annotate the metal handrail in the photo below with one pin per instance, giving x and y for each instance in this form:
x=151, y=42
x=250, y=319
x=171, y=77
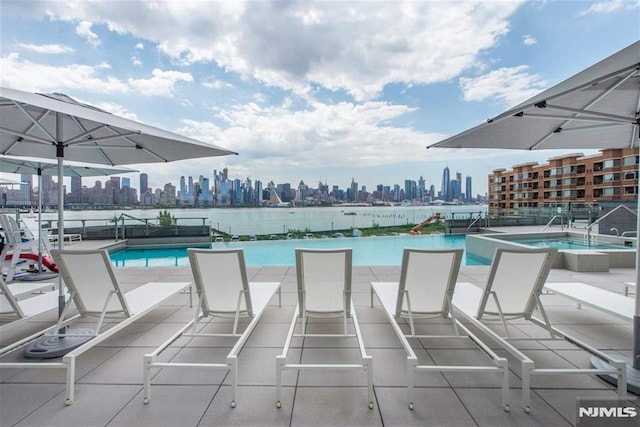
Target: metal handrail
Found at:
x=549, y=223
x=603, y=217
x=474, y=221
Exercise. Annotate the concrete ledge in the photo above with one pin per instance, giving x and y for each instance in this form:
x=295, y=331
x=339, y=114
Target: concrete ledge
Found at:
x=621, y=258
x=588, y=261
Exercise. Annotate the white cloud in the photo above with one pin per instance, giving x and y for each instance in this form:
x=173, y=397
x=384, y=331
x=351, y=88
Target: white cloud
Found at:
x=342, y=46
x=608, y=7
x=529, y=40
x=163, y=83
x=135, y=61
x=510, y=85
x=83, y=29
x=49, y=49
x=27, y=75
x=325, y=136
x=217, y=84
x=139, y=46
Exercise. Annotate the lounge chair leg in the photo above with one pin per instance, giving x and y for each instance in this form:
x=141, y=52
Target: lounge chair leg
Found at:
x=234, y=380
x=526, y=386
x=505, y=385
x=279, y=363
x=411, y=364
x=148, y=359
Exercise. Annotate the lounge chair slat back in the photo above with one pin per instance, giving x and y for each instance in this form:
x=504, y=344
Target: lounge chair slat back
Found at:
x=427, y=277
x=220, y=279
x=90, y=275
x=516, y=277
x=324, y=279
x=8, y=304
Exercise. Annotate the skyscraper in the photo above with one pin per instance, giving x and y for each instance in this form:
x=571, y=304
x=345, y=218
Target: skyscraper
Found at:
x=421, y=188
x=76, y=190
x=144, y=183
x=446, y=182
x=467, y=190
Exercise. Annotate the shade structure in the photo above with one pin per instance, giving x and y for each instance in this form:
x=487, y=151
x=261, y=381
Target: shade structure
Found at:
x=55, y=126
x=597, y=108
x=40, y=124
x=39, y=167
x=5, y=181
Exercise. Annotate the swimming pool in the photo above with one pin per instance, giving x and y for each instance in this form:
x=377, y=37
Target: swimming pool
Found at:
x=385, y=250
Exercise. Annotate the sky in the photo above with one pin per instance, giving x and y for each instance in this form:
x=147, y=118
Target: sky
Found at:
x=312, y=90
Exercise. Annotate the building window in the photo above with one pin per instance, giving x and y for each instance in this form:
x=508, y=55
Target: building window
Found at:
x=628, y=161
x=611, y=163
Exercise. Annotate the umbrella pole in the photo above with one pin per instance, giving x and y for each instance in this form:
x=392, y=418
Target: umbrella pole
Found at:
x=636, y=317
x=43, y=347
x=60, y=157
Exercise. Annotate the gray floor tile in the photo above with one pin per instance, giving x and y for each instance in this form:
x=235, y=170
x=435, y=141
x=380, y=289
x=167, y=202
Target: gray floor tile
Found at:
x=432, y=407
x=170, y=406
x=328, y=406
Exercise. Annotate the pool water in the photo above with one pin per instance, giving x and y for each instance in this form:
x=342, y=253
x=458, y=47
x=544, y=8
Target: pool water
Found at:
x=567, y=243
x=383, y=251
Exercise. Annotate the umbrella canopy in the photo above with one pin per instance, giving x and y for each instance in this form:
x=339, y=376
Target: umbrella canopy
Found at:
x=597, y=108
x=35, y=166
x=38, y=124
x=5, y=181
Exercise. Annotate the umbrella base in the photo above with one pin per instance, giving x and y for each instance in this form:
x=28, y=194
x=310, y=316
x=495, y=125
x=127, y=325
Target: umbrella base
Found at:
x=633, y=375
x=35, y=277
x=49, y=346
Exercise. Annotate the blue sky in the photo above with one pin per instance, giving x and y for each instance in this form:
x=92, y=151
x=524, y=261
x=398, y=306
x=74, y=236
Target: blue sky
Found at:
x=312, y=90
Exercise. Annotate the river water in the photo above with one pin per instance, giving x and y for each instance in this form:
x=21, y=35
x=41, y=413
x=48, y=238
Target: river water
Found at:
x=247, y=221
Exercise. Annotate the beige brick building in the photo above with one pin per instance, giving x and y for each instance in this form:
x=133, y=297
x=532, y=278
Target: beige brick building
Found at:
x=611, y=175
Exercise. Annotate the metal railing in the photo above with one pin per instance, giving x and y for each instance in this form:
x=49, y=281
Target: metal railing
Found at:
x=588, y=237
x=125, y=226
x=551, y=222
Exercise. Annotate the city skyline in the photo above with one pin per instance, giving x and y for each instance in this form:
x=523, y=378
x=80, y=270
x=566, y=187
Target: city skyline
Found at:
x=224, y=190
x=312, y=91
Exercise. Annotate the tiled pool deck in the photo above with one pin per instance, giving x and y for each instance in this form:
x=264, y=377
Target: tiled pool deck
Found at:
x=109, y=377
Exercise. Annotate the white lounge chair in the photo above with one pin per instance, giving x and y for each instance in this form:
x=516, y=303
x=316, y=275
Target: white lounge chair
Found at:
x=599, y=299
x=95, y=291
x=21, y=301
x=513, y=291
x=223, y=291
x=324, y=291
x=425, y=290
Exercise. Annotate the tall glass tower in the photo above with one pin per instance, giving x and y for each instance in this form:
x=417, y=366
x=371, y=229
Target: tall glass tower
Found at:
x=446, y=185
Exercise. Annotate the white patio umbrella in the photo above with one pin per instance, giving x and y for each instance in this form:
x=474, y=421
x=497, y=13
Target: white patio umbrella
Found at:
x=597, y=108
x=56, y=126
x=6, y=181
x=39, y=167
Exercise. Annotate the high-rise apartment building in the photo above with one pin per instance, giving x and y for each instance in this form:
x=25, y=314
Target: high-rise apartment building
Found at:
x=611, y=175
x=468, y=191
